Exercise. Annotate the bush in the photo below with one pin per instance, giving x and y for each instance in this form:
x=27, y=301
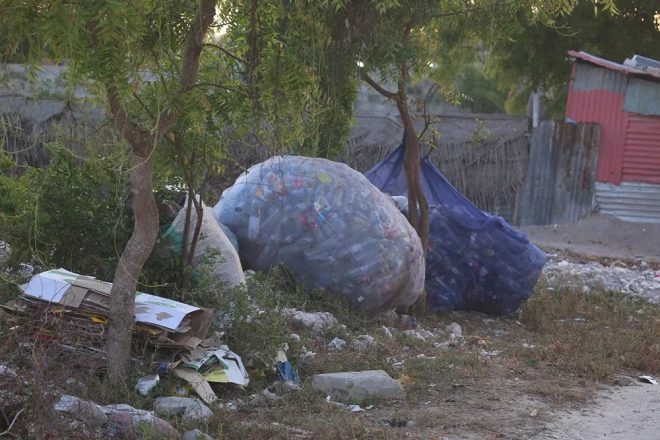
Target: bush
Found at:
x=72, y=214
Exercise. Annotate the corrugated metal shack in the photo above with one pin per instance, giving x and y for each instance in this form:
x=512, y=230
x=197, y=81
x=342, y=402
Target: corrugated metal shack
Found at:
x=625, y=100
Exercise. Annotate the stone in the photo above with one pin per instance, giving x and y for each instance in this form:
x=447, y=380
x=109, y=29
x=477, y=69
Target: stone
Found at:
x=174, y=405
x=408, y=322
x=385, y=332
x=337, y=344
x=415, y=333
x=307, y=354
x=270, y=395
x=197, y=411
x=8, y=372
x=196, y=434
x=363, y=341
x=389, y=317
x=126, y=421
x=455, y=329
x=83, y=410
x=295, y=337
x=318, y=322
x=75, y=385
x=425, y=333
x=359, y=385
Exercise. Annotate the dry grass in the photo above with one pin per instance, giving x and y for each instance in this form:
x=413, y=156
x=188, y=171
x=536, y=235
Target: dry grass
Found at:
x=595, y=335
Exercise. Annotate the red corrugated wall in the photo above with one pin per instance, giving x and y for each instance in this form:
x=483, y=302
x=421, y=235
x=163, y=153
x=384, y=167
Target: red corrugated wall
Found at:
x=629, y=142
x=641, y=157
x=602, y=106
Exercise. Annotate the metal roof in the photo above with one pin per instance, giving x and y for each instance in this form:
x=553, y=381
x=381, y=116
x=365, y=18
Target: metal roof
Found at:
x=611, y=64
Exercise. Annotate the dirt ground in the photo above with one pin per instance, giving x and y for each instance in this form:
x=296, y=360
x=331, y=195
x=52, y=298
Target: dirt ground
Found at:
x=601, y=235
x=622, y=413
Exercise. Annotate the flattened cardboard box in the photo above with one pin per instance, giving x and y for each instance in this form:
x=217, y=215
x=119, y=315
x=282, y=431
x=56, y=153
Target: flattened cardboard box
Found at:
x=88, y=294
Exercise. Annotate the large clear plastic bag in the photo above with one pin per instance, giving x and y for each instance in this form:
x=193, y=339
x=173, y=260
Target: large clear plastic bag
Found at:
x=332, y=229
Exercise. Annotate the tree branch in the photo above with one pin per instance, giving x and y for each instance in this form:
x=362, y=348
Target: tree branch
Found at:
x=425, y=115
x=386, y=93
x=220, y=86
x=225, y=51
x=449, y=14
x=134, y=134
x=190, y=62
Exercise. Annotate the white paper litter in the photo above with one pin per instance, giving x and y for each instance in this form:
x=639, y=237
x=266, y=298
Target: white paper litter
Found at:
x=649, y=379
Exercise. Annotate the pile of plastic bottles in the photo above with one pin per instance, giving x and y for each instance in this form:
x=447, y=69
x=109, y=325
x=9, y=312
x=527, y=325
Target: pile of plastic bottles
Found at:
x=477, y=264
x=330, y=226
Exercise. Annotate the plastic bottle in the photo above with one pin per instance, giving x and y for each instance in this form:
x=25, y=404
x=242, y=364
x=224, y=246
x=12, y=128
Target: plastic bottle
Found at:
x=254, y=223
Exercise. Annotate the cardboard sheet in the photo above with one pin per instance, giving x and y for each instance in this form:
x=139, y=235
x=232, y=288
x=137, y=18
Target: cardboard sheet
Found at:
x=50, y=286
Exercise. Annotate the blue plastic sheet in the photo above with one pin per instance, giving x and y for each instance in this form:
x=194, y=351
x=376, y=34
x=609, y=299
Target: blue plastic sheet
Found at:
x=475, y=261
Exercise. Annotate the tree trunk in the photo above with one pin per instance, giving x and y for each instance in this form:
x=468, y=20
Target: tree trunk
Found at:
x=122, y=295
x=143, y=143
x=412, y=168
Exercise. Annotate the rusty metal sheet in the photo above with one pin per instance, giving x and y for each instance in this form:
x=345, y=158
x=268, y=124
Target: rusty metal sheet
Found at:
x=560, y=183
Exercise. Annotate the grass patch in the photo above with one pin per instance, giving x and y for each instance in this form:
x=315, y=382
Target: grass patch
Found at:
x=594, y=335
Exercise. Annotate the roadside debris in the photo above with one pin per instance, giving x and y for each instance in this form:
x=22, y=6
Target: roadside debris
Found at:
x=166, y=324
x=117, y=420
x=337, y=344
x=352, y=408
x=454, y=329
x=147, y=383
x=617, y=277
x=83, y=410
x=385, y=332
x=362, y=342
x=196, y=434
x=318, y=322
x=649, y=379
x=475, y=260
x=398, y=423
x=359, y=385
x=6, y=371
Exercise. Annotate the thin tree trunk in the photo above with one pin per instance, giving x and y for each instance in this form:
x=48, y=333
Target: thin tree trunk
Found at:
x=186, y=231
x=411, y=165
x=140, y=245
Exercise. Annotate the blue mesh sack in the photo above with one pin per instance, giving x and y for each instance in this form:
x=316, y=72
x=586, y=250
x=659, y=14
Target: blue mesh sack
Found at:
x=333, y=230
x=475, y=261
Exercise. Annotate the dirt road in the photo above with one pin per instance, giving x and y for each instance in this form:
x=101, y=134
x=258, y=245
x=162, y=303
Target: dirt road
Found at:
x=619, y=413
x=601, y=235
